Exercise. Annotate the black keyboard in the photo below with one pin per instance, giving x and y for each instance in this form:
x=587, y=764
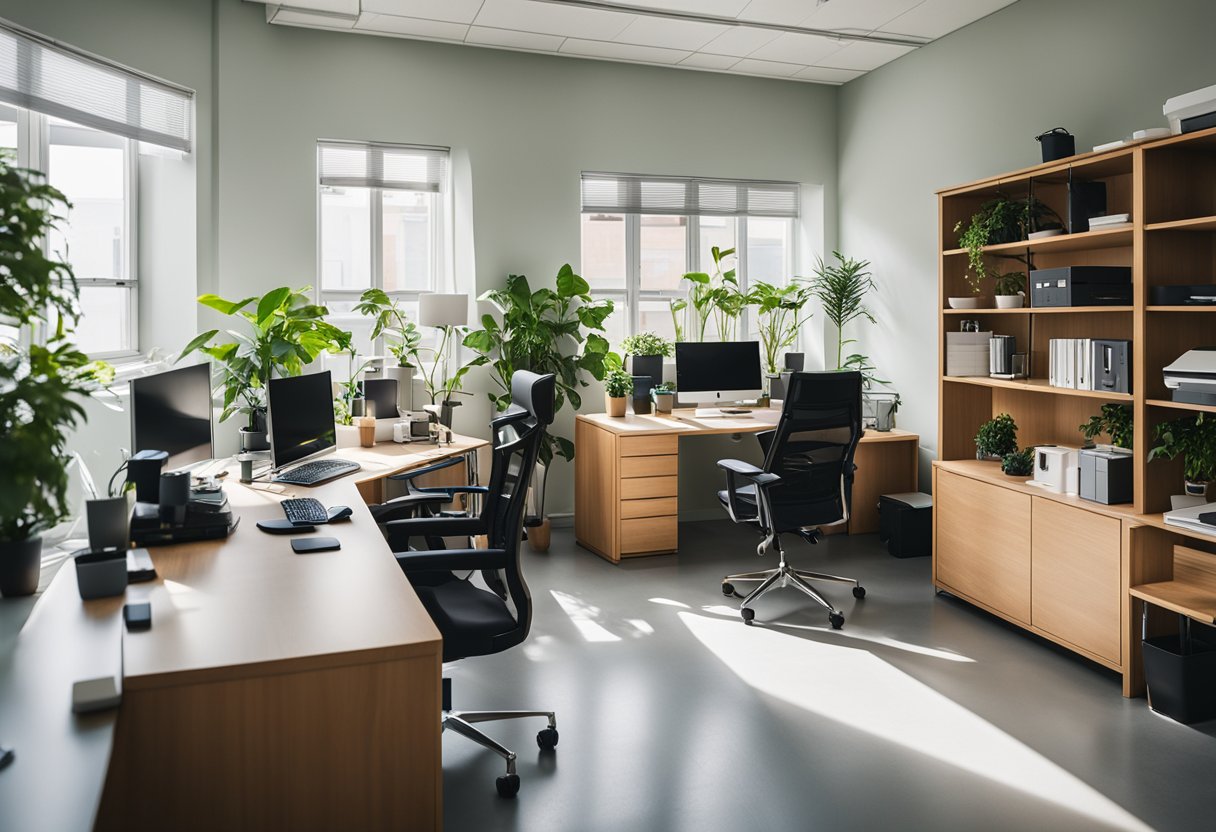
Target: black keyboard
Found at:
x=318, y=471
x=305, y=511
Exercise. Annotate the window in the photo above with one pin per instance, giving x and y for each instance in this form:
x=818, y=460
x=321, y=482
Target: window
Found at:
x=383, y=222
x=642, y=234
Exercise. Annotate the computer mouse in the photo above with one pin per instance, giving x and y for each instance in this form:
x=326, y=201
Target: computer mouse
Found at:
x=339, y=513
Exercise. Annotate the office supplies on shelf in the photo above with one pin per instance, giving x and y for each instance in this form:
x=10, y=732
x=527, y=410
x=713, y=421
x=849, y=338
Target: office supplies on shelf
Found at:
x=718, y=372
x=1081, y=286
x=1191, y=377
x=1190, y=111
x=301, y=428
x=1000, y=355
x=304, y=511
x=1111, y=365
x=1057, y=469
x=137, y=616
x=1194, y=295
x=171, y=412
x=144, y=470
x=1190, y=518
x=305, y=545
x=968, y=353
x=1106, y=476
x=1109, y=220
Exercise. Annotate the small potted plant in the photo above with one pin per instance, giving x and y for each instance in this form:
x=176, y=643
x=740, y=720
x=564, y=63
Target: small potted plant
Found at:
x=647, y=351
x=618, y=384
x=1115, y=421
x=780, y=318
x=996, y=438
x=664, y=397
x=1193, y=438
x=402, y=339
x=1018, y=463
x=1000, y=220
x=1010, y=290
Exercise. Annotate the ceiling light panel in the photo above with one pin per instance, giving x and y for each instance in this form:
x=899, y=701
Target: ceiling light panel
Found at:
x=451, y=11
x=552, y=19
x=798, y=49
x=391, y=24
x=702, y=60
x=671, y=34
x=751, y=66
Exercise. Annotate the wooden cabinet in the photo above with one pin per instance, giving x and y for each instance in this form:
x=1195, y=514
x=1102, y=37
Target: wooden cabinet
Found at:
x=983, y=544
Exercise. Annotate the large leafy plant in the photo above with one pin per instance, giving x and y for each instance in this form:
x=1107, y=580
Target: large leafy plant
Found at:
x=402, y=337
x=1000, y=220
x=647, y=343
x=715, y=296
x=1192, y=438
x=548, y=330
x=781, y=313
x=42, y=386
x=285, y=332
x=997, y=437
x=1116, y=421
x=842, y=287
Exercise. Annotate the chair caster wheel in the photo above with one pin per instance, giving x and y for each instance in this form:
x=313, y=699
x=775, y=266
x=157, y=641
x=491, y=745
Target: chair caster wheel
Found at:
x=748, y=614
x=859, y=592
x=547, y=739
x=836, y=620
x=508, y=785
x=728, y=589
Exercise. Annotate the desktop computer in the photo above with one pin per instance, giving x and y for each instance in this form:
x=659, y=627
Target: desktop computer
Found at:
x=718, y=373
x=301, y=429
x=171, y=412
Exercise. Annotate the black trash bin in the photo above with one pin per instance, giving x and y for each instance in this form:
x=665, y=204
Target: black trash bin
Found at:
x=1181, y=684
x=1057, y=143
x=905, y=522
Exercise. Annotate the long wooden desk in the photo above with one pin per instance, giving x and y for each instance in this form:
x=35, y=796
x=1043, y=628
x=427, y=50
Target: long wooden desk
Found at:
x=627, y=476
x=274, y=690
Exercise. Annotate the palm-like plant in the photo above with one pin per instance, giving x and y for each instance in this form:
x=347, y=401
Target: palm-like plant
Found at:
x=780, y=310
x=841, y=287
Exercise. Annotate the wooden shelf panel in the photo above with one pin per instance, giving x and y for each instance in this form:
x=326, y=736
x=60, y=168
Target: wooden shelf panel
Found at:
x=1085, y=241
x=1183, y=597
x=1040, y=310
x=1199, y=408
x=990, y=472
x=1188, y=308
x=1037, y=385
x=1193, y=224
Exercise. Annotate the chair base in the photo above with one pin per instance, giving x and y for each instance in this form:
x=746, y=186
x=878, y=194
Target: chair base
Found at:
x=462, y=722
x=785, y=575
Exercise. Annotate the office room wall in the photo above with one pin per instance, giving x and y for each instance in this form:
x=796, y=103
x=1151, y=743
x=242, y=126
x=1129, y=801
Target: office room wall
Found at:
x=527, y=124
x=969, y=106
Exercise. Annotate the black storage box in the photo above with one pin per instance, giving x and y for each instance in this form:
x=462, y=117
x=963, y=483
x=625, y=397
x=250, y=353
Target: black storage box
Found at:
x=1190, y=295
x=1085, y=201
x=1183, y=687
x=905, y=522
x=1081, y=286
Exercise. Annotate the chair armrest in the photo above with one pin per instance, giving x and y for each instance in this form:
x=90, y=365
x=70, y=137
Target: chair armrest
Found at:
x=452, y=559
x=454, y=489
x=403, y=508
x=427, y=469
x=757, y=475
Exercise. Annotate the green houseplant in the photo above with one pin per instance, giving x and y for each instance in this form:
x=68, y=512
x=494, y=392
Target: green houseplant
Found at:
x=841, y=287
x=1194, y=439
x=716, y=296
x=42, y=385
x=1018, y=463
x=402, y=339
x=648, y=351
x=781, y=313
x=284, y=332
x=1000, y=220
x=996, y=438
x=618, y=384
x=664, y=397
x=1114, y=421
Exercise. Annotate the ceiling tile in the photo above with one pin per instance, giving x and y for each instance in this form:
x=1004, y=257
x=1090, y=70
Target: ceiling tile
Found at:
x=277, y=14
x=719, y=8
x=622, y=51
x=485, y=36
x=936, y=18
x=702, y=60
x=753, y=67
x=739, y=41
x=864, y=56
x=349, y=7
x=784, y=12
x=551, y=19
x=828, y=75
x=453, y=11
x=671, y=34
x=391, y=24
x=797, y=49
x=861, y=16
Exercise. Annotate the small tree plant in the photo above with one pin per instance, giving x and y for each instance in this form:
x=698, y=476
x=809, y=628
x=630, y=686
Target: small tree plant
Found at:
x=997, y=437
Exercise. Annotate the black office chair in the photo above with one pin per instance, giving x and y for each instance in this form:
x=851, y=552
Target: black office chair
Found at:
x=806, y=482
x=474, y=621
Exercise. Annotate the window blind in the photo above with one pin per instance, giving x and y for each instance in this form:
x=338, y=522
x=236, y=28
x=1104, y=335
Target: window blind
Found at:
x=377, y=165
x=54, y=79
x=623, y=193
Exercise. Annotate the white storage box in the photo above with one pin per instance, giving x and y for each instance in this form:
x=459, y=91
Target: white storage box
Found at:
x=1197, y=103
x=967, y=353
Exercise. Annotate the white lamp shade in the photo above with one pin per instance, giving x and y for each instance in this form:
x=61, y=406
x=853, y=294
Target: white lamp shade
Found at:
x=443, y=310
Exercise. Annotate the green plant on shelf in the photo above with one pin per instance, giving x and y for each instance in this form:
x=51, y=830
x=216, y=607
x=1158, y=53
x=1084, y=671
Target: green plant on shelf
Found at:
x=1009, y=283
x=647, y=343
x=1114, y=421
x=996, y=438
x=1194, y=439
x=618, y=384
x=1000, y=220
x=1018, y=463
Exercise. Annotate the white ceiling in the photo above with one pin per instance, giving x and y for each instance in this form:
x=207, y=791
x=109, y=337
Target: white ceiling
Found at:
x=725, y=44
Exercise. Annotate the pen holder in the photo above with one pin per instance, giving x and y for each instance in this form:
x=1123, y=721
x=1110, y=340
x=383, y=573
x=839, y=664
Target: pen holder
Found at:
x=367, y=430
x=101, y=574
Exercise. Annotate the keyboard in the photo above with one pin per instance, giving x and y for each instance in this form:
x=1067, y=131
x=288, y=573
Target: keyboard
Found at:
x=305, y=511
x=317, y=472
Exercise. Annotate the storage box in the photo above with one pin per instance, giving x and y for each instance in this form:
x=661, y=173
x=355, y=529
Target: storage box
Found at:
x=1081, y=286
x=1106, y=476
x=1181, y=686
x=905, y=522
x=967, y=353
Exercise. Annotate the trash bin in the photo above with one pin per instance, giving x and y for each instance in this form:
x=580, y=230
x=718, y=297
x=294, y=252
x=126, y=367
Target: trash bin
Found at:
x=905, y=522
x=1181, y=684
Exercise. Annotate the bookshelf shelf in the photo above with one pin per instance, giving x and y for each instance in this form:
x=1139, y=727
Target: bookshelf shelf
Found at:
x=1042, y=310
x=1037, y=385
x=1084, y=241
x=1171, y=405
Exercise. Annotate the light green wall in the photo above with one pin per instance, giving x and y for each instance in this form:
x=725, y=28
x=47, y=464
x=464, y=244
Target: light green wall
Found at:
x=969, y=106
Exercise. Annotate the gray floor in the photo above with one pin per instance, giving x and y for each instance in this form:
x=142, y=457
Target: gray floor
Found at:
x=923, y=713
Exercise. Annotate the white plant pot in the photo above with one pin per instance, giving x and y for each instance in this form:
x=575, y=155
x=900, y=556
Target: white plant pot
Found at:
x=1010, y=301
x=970, y=302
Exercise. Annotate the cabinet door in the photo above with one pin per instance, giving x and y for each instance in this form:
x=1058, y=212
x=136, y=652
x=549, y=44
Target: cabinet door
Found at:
x=1076, y=581
x=983, y=543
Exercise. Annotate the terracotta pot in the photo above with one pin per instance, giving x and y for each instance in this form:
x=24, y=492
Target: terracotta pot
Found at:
x=20, y=563
x=615, y=405
x=539, y=536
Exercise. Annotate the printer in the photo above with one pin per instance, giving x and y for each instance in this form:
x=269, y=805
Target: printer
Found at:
x=1192, y=377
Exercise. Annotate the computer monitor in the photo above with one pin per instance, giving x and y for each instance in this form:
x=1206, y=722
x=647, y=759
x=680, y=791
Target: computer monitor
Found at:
x=301, y=418
x=718, y=372
x=171, y=412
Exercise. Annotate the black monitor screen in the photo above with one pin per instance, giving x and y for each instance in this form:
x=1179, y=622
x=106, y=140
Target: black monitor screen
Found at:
x=712, y=366
x=171, y=412
x=301, y=417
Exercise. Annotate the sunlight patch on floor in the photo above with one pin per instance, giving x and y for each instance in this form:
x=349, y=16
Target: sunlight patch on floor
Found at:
x=668, y=602
x=855, y=688
x=583, y=616
x=885, y=641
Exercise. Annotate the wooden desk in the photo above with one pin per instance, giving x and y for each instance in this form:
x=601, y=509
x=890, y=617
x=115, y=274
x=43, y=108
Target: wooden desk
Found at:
x=626, y=475
x=274, y=690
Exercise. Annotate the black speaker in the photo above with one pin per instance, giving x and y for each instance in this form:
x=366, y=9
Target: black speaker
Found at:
x=174, y=495
x=144, y=469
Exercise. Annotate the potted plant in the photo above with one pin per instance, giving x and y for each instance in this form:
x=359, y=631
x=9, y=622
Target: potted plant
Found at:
x=349, y=404
x=1010, y=290
x=618, y=384
x=1018, y=463
x=402, y=339
x=555, y=330
x=996, y=438
x=647, y=351
x=999, y=220
x=664, y=397
x=779, y=312
x=716, y=296
x=285, y=332
x=1194, y=439
x=841, y=288
x=42, y=385
x=1114, y=421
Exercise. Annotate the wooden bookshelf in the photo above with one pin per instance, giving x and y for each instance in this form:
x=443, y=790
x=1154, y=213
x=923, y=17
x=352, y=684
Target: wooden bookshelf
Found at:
x=1066, y=567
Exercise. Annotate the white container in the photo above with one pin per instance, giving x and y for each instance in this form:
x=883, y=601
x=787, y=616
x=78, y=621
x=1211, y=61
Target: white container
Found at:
x=969, y=302
x=967, y=353
x=1188, y=105
x=1057, y=469
x=1010, y=301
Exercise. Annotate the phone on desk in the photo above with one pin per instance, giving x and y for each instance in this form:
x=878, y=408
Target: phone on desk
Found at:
x=304, y=545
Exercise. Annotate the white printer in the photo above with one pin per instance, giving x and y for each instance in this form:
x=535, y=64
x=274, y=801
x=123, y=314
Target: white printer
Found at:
x=1192, y=376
